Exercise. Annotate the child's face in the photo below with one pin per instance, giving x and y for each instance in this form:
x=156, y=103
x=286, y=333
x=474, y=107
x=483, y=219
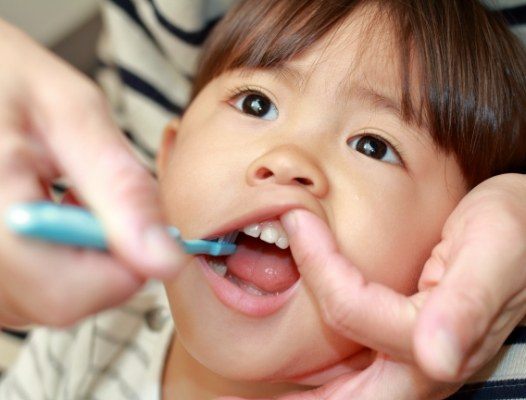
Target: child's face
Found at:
x=323, y=138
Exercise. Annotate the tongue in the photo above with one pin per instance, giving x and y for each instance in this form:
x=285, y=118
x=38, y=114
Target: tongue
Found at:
x=264, y=265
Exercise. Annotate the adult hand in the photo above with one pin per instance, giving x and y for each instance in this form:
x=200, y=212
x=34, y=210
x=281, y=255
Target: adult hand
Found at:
x=456, y=322
x=53, y=121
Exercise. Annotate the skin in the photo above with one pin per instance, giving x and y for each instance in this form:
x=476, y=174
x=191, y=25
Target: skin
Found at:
x=221, y=162
x=53, y=120
x=53, y=285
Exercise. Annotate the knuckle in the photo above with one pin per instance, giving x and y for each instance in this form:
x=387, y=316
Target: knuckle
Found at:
x=336, y=310
x=475, y=304
x=14, y=156
x=129, y=179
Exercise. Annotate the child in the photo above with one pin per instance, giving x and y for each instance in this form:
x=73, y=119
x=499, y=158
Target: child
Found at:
x=377, y=116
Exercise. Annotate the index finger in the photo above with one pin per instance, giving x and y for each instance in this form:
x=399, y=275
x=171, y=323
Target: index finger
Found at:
x=87, y=145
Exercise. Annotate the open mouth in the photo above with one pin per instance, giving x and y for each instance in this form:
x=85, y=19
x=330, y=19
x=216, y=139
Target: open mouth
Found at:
x=263, y=264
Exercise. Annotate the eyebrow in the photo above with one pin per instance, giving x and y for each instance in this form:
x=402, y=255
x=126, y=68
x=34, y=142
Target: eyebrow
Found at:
x=349, y=90
x=379, y=100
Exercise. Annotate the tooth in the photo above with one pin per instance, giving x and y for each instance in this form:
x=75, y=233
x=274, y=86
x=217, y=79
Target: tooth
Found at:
x=247, y=287
x=252, y=230
x=269, y=234
x=218, y=267
x=251, y=289
x=282, y=242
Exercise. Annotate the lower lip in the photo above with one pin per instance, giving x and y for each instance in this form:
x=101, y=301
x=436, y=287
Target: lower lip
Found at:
x=237, y=299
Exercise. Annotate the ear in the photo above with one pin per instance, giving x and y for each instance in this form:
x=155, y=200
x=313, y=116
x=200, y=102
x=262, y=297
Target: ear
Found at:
x=167, y=144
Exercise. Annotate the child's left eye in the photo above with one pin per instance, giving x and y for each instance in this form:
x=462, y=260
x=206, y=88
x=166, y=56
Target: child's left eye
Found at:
x=257, y=105
x=375, y=147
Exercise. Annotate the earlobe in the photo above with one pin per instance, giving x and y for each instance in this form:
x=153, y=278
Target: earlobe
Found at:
x=167, y=143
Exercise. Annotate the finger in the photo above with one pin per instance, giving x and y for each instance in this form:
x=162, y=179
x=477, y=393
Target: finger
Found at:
x=88, y=147
x=385, y=379
x=369, y=313
x=459, y=320
x=491, y=345
x=43, y=283
x=56, y=285
x=65, y=285
x=357, y=362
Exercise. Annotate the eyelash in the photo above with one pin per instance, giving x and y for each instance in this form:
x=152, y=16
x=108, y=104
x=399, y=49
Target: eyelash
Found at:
x=244, y=90
x=254, y=108
x=396, y=149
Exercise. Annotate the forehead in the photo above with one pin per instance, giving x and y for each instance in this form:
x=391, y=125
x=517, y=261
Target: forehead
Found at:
x=361, y=51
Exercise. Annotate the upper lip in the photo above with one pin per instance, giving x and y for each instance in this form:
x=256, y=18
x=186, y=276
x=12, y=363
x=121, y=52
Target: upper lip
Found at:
x=267, y=207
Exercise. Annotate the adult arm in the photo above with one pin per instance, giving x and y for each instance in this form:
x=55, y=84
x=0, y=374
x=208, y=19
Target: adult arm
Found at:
x=54, y=121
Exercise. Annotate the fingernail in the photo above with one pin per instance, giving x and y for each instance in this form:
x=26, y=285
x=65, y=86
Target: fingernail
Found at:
x=289, y=221
x=447, y=352
x=163, y=252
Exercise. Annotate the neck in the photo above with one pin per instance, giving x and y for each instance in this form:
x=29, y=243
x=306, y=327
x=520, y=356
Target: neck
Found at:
x=185, y=378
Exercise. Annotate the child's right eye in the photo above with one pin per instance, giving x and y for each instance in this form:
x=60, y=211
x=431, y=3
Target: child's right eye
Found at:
x=257, y=105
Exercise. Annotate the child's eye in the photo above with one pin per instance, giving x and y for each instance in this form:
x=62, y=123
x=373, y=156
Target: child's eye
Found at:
x=374, y=147
x=256, y=104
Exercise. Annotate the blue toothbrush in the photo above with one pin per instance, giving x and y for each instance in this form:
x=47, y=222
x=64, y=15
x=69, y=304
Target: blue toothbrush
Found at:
x=76, y=226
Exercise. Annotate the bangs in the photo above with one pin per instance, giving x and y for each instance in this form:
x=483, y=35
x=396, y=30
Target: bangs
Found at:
x=462, y=73
x=274, y=32
x=267, y=35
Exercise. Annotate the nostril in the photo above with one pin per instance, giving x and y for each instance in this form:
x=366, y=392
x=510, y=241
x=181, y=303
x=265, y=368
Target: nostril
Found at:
x=264, y=173
x=304, y=181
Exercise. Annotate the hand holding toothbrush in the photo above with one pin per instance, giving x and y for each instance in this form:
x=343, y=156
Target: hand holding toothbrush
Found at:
x=53, y=121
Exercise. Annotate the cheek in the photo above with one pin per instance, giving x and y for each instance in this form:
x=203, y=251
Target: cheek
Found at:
x=192, y=186
x=389, y=234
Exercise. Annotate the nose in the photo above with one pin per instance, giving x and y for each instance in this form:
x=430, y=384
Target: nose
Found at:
x=288, y=165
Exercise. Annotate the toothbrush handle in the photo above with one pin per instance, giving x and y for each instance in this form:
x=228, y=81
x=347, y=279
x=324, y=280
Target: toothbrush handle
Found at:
x=56, y=223
x=75, y=226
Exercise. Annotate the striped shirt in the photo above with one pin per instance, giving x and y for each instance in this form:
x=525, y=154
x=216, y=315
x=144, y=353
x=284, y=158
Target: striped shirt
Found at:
x=148, y=53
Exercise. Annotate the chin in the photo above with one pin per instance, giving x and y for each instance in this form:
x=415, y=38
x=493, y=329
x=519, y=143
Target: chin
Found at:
x=291, y=342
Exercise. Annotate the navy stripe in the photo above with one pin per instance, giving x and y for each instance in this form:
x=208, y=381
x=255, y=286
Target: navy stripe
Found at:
x=146, y=89
x=18, y=334
x=506, y=389
x=515, y=15
x=139, y=145
x=193, y=38
x=518, y=336
x=129, y=8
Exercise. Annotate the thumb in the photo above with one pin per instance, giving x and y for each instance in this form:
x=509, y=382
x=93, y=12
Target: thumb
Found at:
x=360, y=310
x=85, y=143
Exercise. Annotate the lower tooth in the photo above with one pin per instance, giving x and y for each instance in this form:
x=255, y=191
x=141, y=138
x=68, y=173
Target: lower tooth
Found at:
x=251, y=289
x=219, y=268
x=245, y=286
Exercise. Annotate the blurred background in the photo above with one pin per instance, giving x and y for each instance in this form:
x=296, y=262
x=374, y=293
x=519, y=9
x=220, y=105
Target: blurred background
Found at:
x=67, y=27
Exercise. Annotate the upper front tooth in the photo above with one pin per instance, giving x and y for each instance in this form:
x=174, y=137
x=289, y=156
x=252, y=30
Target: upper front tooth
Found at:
x=253, y=230
x=282, y=242
x=269, y=234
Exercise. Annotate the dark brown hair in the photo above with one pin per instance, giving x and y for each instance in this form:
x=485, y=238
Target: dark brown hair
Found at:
x=472, y=77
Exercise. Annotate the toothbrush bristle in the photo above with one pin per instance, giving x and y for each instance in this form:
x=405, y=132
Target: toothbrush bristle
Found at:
x=230, y=238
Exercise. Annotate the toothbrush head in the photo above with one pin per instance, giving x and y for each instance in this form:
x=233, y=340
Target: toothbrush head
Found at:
x=210, y=247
